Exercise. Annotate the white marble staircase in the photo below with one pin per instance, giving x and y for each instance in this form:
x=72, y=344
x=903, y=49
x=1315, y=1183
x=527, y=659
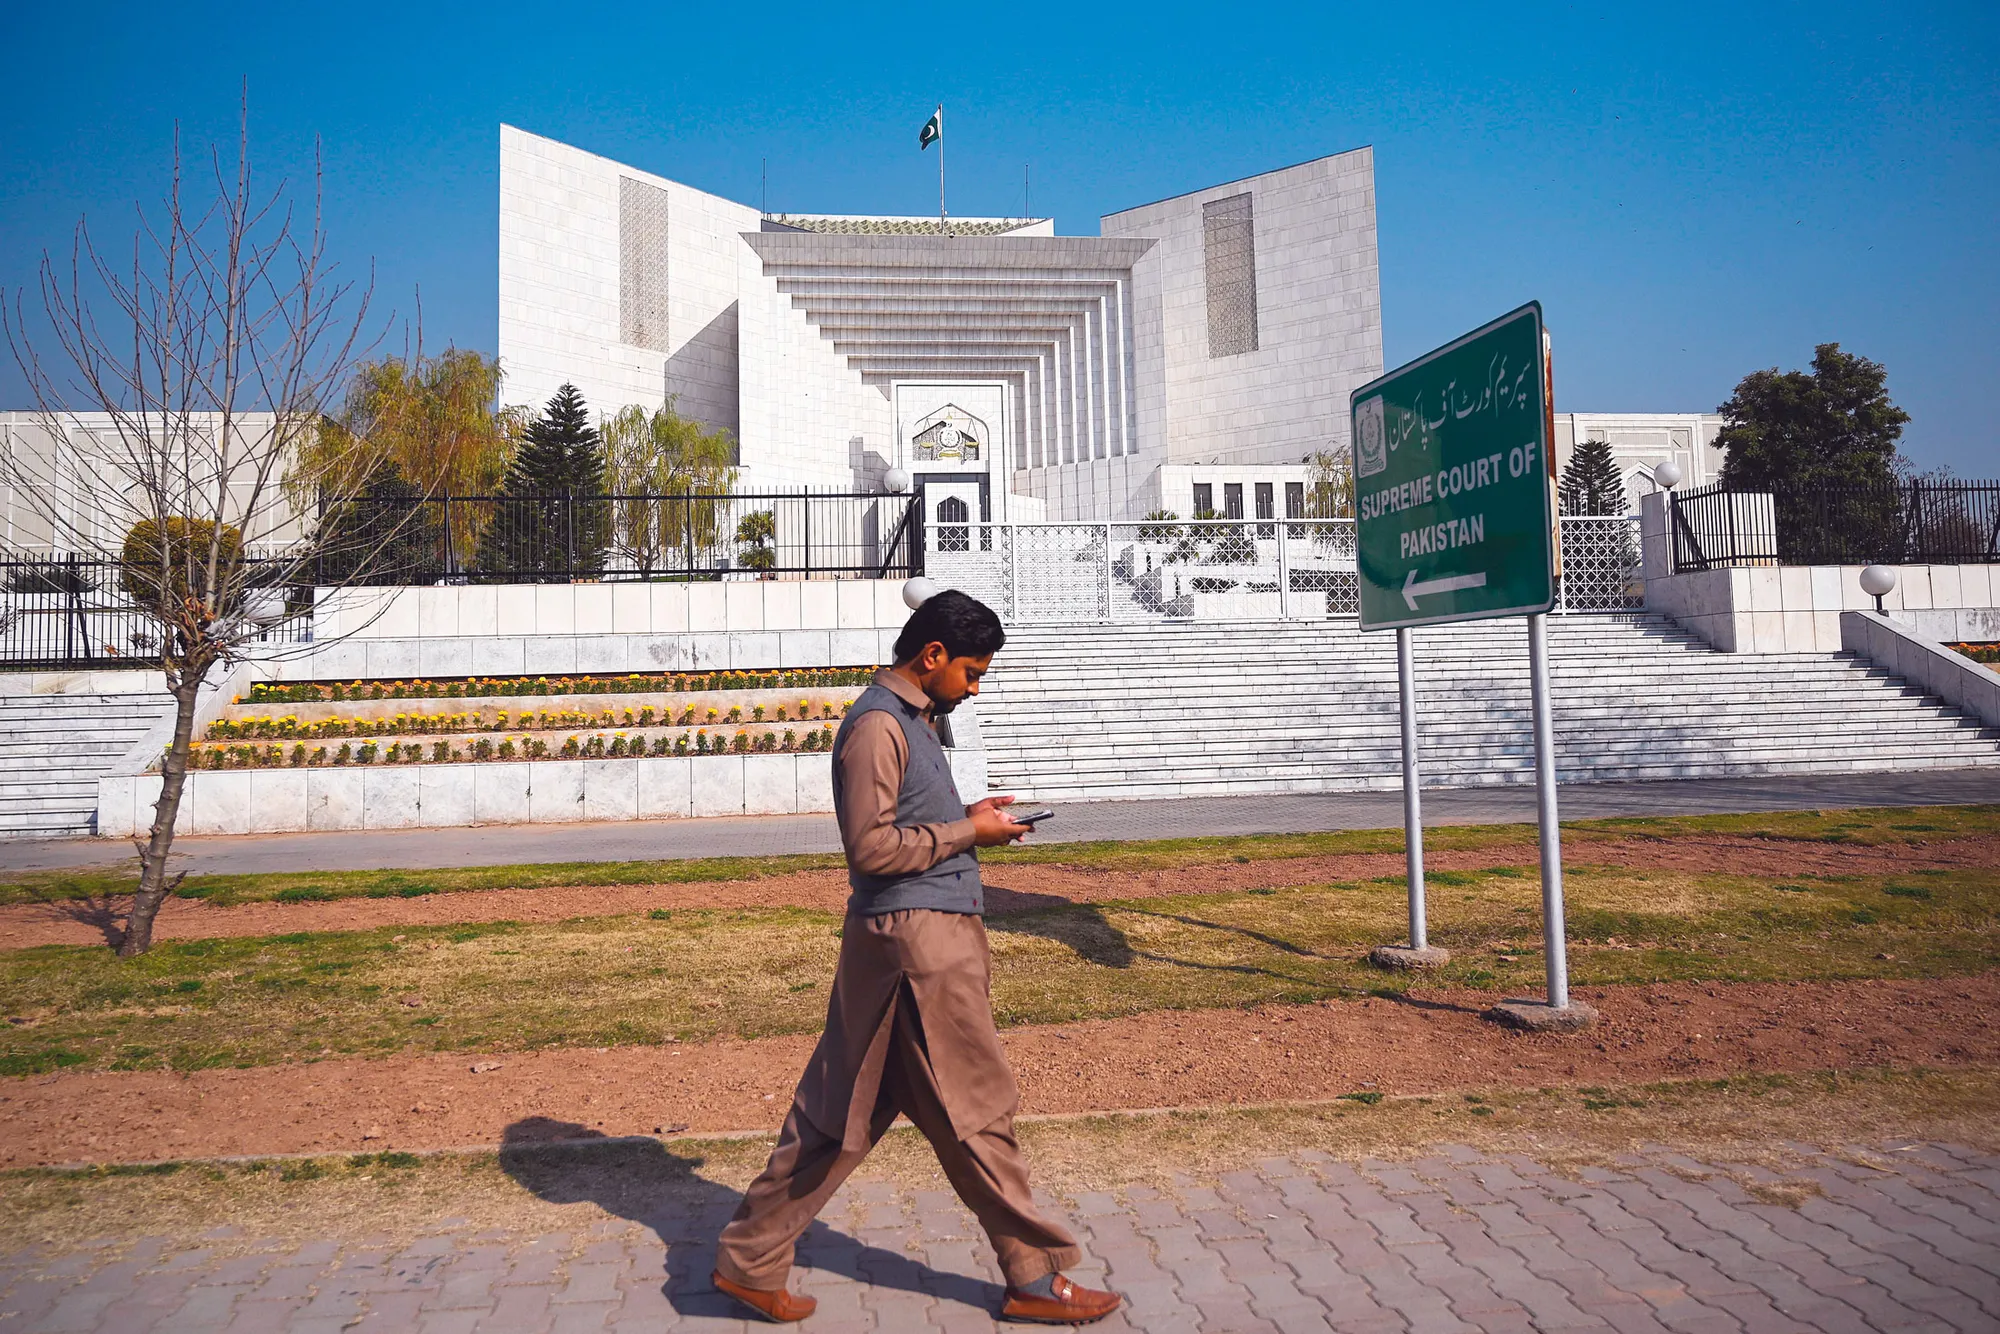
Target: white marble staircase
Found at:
x=1120, y=711
x=53, y=749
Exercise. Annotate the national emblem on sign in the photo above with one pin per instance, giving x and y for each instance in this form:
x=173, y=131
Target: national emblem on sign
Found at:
x=1371, y=444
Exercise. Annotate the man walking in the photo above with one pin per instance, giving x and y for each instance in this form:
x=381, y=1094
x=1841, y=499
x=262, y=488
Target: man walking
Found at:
x=909, y=1026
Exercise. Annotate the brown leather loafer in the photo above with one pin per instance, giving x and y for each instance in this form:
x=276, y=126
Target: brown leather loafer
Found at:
x=1072, y=1304
x=774, y=1304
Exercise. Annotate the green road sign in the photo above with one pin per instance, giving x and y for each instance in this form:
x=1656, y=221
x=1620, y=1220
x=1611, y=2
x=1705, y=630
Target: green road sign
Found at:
x=1453, y=482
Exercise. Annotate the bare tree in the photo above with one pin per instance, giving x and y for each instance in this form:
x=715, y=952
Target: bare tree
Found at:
x=213, y=353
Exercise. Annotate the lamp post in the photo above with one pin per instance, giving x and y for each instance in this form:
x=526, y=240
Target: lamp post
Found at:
x=1877, y=581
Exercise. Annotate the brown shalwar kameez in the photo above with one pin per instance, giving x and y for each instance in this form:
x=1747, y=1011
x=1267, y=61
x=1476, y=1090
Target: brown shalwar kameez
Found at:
x=909, y=1029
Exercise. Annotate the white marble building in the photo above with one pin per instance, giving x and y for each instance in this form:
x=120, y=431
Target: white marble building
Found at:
x=1223, y=327
x=1641, y=441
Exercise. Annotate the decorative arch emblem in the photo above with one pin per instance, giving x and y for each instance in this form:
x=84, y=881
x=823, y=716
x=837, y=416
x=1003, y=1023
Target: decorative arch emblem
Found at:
x=949, y=435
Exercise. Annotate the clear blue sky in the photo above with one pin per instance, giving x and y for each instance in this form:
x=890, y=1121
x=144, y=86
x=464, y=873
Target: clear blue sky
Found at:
x=1692, y=194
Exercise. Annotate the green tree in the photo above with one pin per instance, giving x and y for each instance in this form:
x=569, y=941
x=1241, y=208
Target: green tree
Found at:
x=1590, y=481
x=427, y=424
x=1833, y=426
x=1329, y=486
x=1831, y=432
x=757, y=534
x=661, y=453
x=388, y=532
x=549, y=522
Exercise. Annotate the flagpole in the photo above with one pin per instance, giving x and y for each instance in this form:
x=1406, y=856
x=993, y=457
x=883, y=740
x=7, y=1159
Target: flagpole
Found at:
x=941, y=213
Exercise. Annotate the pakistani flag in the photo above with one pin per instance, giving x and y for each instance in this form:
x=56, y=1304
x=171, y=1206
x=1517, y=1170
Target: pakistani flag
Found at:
x=933, y=130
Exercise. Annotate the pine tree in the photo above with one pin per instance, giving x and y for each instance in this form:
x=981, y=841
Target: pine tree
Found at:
x=1590, y=482
x=549, y=524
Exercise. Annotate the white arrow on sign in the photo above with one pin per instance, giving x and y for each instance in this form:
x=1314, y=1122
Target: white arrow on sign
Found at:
x=1412, y=590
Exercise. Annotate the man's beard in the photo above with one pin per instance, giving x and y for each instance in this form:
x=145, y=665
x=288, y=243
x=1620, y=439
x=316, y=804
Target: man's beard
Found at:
x=939, y=708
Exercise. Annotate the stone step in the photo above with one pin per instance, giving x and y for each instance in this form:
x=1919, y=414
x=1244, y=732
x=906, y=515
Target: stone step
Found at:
x=1107, y=711
x=1056, y=791
x=1182, y=762
x=53, y=749
x=1077, y=717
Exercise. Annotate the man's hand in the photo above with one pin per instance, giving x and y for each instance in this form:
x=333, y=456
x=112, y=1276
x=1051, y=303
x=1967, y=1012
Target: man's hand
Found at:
x=991, y=825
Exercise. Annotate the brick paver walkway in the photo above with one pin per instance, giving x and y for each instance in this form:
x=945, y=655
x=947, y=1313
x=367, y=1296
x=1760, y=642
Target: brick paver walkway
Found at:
x=1453, y=1242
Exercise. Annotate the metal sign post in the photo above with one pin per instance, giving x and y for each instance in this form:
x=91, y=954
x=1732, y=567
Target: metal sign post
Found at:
x=1418, y=953
x=1455, y=520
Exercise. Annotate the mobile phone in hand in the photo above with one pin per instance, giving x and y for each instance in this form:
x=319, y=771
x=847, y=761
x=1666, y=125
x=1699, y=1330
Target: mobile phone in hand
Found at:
x=1033, y=819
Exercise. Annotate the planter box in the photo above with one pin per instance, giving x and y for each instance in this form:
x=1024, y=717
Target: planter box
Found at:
x=430, y=796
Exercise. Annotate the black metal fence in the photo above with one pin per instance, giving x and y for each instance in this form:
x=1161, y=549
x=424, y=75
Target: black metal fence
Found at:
x=563, y=538
x=71, y=611
x=1910, y=523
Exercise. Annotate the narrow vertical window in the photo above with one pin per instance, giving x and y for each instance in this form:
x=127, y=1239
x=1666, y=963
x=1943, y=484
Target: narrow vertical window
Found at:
x=642, y=265
x=1265, y=502
x=1229, y=264
x=1232, y=500
x=1295, y=500
x=1204, y=500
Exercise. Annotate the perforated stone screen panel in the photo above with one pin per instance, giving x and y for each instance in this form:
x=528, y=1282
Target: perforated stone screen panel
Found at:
x=642, y=264
x=1229, y=261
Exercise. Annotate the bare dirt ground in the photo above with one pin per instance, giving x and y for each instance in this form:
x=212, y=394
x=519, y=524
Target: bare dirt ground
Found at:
x=1427, y=1042
x=1010, y=888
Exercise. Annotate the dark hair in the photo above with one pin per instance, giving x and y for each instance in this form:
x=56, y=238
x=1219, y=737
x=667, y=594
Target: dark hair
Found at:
x=965, y=626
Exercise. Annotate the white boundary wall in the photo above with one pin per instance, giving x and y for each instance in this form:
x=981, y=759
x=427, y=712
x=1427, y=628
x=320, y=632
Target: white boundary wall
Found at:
x=1923, y=661
x=1797, y=608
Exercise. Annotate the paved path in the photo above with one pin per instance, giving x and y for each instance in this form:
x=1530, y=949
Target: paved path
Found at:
x=750, y=836
x=1457, y=1242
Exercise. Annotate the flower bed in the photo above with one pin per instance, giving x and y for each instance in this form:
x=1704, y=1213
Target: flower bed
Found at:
x=484, y=749
x=502, y=687
x=290, y=727
x=1986, y=653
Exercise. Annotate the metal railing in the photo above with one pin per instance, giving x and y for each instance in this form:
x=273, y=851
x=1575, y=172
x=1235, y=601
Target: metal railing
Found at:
x=1909, y=523
x=1219, y=570
x=71, y=611
x=566, y=538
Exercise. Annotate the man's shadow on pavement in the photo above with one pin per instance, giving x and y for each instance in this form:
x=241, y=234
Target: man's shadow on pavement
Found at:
x=647, y=1182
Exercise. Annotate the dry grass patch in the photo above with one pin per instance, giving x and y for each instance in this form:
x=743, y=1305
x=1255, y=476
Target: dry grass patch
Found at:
x=1885, y=826
x=700, y=974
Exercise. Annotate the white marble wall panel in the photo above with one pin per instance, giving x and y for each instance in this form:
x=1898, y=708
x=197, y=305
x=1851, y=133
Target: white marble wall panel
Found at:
x=708, y=608
x=666, y=787
x=500, y=793
x=446, y=795
x=1318, y=315
x=114, y=805
x=1796, y=609
x=559, y=274
x=393, y=659
x=278, y=800
x=499, y=657
x=718, y=788
x=770, y=784
x=389, y=797
x=550, y=655
x=631, y=609
x=593, y=610
x=334, y=799
x=610, y=789
x=555, y=791
x=815, y=782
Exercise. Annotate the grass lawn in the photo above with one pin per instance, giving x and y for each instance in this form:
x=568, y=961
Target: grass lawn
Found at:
x=1875, y=827
x=698, y=974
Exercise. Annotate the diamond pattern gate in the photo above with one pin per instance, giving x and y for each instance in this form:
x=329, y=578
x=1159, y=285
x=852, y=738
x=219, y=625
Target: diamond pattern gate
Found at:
x=1217, y=570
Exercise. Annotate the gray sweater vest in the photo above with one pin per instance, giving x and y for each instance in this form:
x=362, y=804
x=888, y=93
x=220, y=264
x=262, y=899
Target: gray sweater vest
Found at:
x=928, y=796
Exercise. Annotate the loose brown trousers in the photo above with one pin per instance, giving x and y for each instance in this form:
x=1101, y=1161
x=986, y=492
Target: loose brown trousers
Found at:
x=909, y=1029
